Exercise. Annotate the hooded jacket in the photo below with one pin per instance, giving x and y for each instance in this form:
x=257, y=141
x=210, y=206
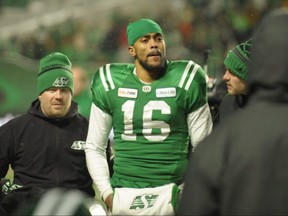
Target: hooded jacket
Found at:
x=242, y=167
x=231, y=103
x=45, y=152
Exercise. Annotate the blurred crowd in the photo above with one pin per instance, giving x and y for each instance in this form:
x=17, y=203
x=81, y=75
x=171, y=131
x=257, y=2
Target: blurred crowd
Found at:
x=193, y=28
x=199, y=30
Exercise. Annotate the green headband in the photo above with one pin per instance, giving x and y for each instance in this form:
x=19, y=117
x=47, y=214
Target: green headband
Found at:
x=55, y=71
x=139, y=28
x=238, y=58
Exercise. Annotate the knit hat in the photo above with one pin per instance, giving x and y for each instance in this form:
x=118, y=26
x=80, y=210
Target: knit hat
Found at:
x=238, y=58
x=55, y=71
x=139, y=28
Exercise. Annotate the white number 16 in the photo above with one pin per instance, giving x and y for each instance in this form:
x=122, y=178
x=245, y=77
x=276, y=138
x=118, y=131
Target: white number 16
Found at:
x=148, y=123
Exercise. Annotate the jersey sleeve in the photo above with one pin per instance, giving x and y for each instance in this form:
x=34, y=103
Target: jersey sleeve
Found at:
x=197, y=91
x=99, y=96
x=105, y=83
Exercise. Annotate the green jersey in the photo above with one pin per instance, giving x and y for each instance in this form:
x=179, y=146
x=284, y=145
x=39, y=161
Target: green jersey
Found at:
x=151, y=136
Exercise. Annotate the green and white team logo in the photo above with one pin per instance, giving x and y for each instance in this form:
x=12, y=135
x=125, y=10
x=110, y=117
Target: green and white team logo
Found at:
x=144, y=201
x=7, y=187
x=60, y=82
x=78, y=145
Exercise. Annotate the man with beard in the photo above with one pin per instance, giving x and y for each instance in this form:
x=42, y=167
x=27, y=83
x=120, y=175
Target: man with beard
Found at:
x=156, y=108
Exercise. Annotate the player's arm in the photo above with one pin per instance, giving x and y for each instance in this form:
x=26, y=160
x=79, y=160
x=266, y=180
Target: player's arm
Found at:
x=199, y=124
x=199, y=119
x=100, y=124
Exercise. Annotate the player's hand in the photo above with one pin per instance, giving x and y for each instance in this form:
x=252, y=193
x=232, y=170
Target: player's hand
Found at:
x=109, y=201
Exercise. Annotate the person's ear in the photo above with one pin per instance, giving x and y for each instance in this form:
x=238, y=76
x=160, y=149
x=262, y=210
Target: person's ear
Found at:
x=131, y=50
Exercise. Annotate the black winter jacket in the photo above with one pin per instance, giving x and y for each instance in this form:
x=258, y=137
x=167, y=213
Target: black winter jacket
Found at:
x=46, y=153
x=242, y=167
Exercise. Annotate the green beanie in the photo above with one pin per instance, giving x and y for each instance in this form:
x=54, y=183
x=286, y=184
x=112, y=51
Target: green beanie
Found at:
x=238, y=58
x=55, y=71
x=139, y=28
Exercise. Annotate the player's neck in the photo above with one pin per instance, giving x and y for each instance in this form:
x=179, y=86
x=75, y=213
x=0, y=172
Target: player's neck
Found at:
x=144, y=82
x=147, y=76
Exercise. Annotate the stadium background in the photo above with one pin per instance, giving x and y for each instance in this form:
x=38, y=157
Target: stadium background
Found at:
x=92, y=33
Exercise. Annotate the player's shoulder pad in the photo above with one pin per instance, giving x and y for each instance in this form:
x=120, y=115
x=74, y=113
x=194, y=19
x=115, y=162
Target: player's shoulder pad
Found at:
x=188, y=72
x=107, y=75
x=183, y=64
